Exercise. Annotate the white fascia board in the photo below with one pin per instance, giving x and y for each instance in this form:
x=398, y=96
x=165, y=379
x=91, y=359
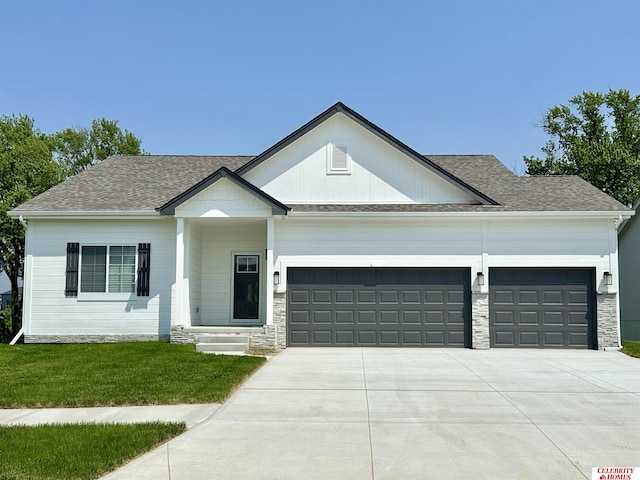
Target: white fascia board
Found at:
x=501, y=214
x=106, y=214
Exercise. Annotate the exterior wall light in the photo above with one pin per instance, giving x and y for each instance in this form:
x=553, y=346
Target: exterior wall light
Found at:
x=480, y=277
x=276, y=278
x=608, y=278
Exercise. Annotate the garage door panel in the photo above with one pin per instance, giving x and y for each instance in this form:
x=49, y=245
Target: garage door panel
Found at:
x=389, y=296
x=299, y=296
x=529, y=339
x=455, y=318
x=366, y=316
x=387, y=306
x=321, y=317
x=504, y=317
x=553, y=318
x=321, y=297
x=528, y=318
x=434, y=317
x=577, y=318
x=345, y=316
x=455, y=297
x=552, y=297
x=344, y=296
x=366, y=337
x=527, y=297
x=553, y=307
x=411, y=297
x=345, y=337
x=434, y=297
x=503, y=297
x=366, y=296
x=412, y=337
x=322, y=337
x=554, y=339
x=390, y=317
x=412, y=317
x=300, y=317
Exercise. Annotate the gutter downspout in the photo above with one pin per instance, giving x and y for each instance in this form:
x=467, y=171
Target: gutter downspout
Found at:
x=21, y=331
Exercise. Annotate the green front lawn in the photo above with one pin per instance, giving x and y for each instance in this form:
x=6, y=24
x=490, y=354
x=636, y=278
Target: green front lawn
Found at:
x=90, y=375
x=631, y=348
x=76, y=451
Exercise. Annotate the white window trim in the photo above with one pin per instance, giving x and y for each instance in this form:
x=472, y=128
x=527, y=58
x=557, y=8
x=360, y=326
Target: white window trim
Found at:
x=106, y=296
x=338, y=171
x=261, y=292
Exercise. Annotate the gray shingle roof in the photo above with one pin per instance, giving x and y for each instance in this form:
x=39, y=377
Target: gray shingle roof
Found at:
x=144, y=183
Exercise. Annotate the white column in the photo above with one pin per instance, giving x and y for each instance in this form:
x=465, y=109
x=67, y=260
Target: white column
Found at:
x=179, y=308
x=269, y=271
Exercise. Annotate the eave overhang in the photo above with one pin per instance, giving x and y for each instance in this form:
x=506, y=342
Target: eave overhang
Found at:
x=277, y=207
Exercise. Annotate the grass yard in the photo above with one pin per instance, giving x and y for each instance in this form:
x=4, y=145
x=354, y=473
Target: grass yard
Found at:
x=631, y=348
x=91, y=375
x=76, y=451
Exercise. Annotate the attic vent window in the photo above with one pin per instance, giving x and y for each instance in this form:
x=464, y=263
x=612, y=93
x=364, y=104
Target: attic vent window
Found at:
x=338, y=161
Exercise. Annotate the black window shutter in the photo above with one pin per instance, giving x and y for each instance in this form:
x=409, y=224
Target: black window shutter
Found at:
x=71, y=280
x=144, y=258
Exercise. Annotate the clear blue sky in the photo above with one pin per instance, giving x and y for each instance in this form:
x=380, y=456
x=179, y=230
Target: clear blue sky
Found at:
x=234, y=77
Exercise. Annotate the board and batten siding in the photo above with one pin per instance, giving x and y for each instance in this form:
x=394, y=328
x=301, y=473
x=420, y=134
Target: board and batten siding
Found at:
x=379, y=172
x=223, y=199
x=220, y=240
x=429, y=242
x=630, y=279
x=49, y=312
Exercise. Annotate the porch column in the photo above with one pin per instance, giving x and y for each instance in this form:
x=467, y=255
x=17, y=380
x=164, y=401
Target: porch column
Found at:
x=269, y=270
x=179, y=308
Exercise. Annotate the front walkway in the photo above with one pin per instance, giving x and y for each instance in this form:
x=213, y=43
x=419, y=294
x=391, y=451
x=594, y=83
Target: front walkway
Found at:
x=415, y=413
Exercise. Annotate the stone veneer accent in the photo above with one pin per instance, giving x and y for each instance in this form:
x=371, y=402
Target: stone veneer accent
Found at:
x=267, y=336
x=480, y=337
x=607, y=322
x=92, y=338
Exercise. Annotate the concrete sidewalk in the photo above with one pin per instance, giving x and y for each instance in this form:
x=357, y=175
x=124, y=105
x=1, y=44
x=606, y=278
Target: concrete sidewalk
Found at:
x=415, y=413
x=190, y=414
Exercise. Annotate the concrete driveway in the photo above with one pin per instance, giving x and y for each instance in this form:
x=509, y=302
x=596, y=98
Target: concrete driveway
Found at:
x=363, y=413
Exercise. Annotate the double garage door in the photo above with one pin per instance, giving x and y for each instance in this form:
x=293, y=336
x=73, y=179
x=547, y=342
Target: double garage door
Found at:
x=379, y=307
x=431, y=307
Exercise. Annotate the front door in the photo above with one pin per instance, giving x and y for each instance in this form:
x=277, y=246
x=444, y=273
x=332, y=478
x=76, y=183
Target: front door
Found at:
x=246, y=287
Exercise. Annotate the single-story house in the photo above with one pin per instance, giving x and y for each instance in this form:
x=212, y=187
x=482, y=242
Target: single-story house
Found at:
x=629, y=246
x=337, y=235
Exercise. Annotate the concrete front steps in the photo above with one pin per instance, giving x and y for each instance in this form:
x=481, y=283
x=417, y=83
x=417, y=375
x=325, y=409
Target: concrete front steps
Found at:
x=223, y=340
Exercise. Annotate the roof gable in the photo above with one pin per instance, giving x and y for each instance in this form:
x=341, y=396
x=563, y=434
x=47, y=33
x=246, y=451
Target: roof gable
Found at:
x=340, y=108
x=169, y=208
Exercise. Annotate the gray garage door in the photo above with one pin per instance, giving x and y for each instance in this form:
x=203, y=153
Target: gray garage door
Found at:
x=542, y=307
x=378, y=307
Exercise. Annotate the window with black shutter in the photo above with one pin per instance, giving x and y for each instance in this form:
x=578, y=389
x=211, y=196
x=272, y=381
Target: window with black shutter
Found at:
x=71, y=277
x=144, y=256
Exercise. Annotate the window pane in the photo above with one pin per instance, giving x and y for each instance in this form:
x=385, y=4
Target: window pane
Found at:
x=93, y=269
x=122, y=261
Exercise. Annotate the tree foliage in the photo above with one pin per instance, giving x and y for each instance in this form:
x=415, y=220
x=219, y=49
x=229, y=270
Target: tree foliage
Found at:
x=32, y=162
x=596, y=137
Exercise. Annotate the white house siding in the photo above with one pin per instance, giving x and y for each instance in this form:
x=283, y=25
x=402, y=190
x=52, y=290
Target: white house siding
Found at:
x=220, y=240
x=223, y=199
x=53, y=314
x=425, y=242
x=195, y=273
x=379, y=173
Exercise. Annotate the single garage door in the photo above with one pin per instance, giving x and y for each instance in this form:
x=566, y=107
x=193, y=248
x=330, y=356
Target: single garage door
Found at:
x=393, y=307
x=542, y=307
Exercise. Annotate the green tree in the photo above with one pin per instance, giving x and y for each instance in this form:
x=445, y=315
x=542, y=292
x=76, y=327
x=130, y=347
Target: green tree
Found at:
x=32, y=162
x=27, y=169
x=596, y=137
x=77, y=149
